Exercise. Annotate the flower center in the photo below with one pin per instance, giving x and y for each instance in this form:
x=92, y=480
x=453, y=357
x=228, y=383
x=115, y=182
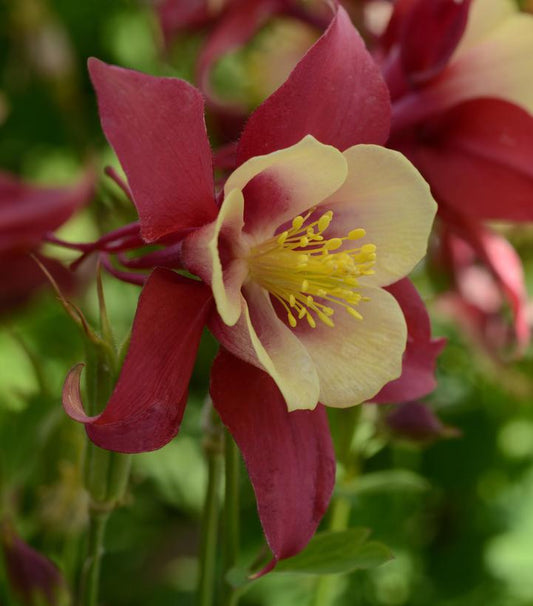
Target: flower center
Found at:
x=299, y=268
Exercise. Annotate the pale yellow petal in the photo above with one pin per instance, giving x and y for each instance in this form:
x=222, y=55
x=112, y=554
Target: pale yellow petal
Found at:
x=262, y=339
x=483, y=18
x=286, y=183
x=356, y=358
x=386, y=196
x=500, y=65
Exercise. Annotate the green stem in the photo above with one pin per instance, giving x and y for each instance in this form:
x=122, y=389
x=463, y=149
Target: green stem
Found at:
x=231, y=515
x=95, y=548
x=327, y=586
x=206, y=581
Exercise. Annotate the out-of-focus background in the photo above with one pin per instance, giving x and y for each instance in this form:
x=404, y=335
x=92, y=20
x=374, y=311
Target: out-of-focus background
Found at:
x=457, y=513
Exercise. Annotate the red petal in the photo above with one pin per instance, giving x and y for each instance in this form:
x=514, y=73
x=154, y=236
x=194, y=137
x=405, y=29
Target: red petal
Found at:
x=335, y=93
x=147, y=405
x=156, y=126
x=418, y=366
x=477, y=159
x=429, y=36
x=22, y=277
x=289, y=456
x=28, y=212
x=506, y=267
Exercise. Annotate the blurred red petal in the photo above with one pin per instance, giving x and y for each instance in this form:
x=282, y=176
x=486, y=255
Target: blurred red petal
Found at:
x=417, y=422
x=429, y=36
x=156, y=126
x=146, y=407
x=240, y=22
x=289, y=456
x=477, y=159
x=335, y=93
x=34, y=578
x=497, y=254
x=22, y=277
x=28, y=212
x=420, y=357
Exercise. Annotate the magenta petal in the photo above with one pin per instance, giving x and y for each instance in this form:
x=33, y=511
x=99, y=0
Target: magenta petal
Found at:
x=477, y=159
x=156, y=126
x=419, y=360
x=146, y=407
x=289, y=456
x=335, y=93
x=28, y=212
x=430, y=34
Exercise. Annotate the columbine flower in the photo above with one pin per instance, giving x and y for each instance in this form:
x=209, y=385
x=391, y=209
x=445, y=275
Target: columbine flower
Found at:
x=27, y=214
x=293, y=254
x=462, y=97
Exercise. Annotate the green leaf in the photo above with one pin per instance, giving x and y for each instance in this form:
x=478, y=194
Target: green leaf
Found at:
x=394, y=480
x=337, y=552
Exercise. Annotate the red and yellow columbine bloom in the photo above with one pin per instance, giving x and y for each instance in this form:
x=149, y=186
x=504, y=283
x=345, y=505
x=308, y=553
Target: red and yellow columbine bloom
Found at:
x=304, y=240
x=292, y=255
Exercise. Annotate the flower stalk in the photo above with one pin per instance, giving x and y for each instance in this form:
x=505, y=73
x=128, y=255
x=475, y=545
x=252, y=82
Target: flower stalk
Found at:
x=213, y=447
x=231, y=516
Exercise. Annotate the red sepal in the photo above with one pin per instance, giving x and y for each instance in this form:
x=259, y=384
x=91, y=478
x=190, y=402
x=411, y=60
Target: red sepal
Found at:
x=146, y=407
x=289, y=456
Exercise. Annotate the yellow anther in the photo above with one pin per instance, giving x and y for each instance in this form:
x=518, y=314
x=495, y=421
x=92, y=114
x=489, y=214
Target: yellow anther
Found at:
x=333, y=244
x=353, y=312
x=282, y=237
x=325, y=220
x=325, y=319
x=297, y=222
x=357, y=234
x=310, y=275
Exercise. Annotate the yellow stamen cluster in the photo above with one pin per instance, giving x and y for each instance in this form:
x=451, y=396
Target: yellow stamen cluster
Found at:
x=301, y=270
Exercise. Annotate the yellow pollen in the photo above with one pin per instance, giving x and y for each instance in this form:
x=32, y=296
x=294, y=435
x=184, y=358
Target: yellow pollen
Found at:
x=299, y=268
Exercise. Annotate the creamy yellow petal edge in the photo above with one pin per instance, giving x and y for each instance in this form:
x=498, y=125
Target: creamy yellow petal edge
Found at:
x=226, y=285
x=279, y=352
x=385, y=195
x=500, y=66
x=484, y=17
x=356, y=358
x=306, y=173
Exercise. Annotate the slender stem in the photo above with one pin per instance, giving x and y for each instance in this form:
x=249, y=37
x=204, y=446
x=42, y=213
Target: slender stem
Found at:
x=206, y=581
x=231, y=515
x=95, y=548
x=327, y=586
